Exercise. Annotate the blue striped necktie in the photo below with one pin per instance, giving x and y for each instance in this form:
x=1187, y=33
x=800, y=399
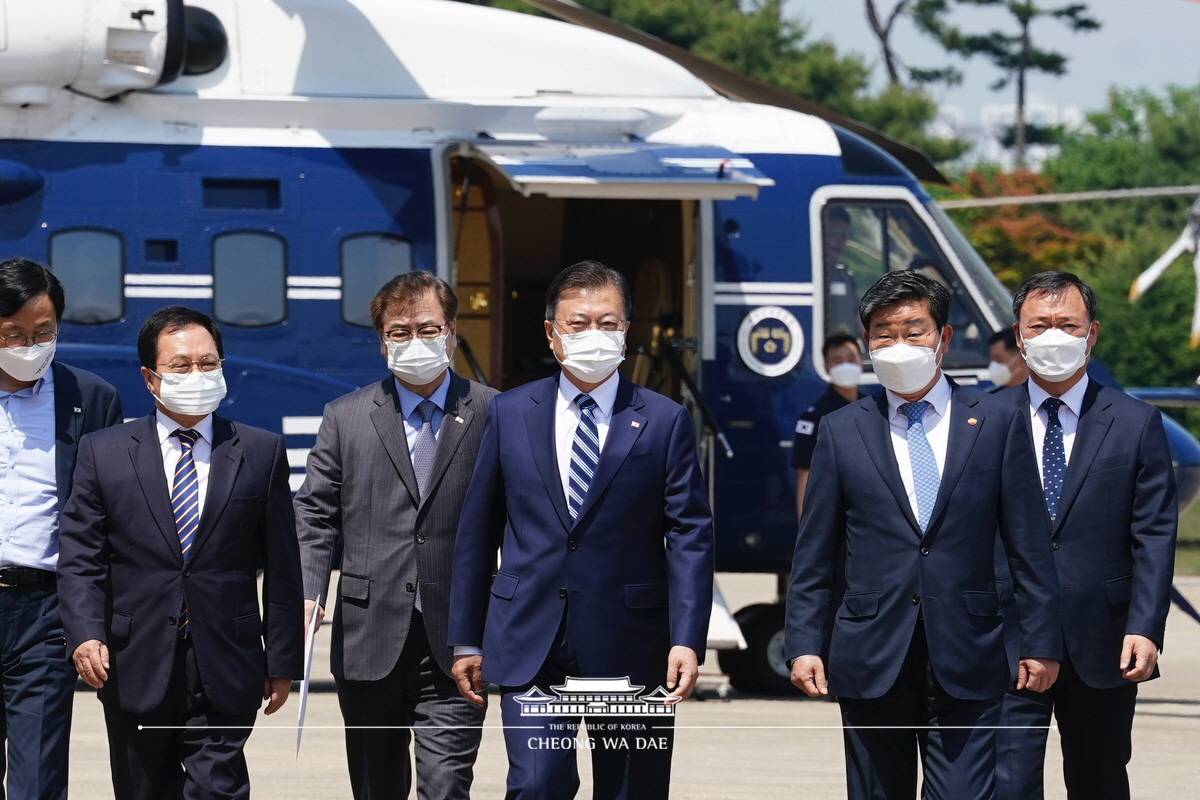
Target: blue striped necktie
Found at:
x=185, y=502
x=926, y=478
x=424, y=445
x=585, y=454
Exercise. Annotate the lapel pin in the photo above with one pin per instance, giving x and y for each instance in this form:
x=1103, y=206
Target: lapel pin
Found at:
x=634, y=424
x=78, y=410
x=972, y=421
x=459, y=420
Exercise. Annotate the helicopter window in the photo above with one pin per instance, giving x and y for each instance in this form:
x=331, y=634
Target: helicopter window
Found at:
x=249, y=278
x=862, y=240
x=90, y=264
x=368, y=262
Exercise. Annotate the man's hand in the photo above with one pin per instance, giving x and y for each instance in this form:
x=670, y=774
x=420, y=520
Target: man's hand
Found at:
x=467, y=672
x=1037, y=674
x=309, y=605
x=808, y=675
x=682, y=668
x=1138, y=657
x=91, y=662
x=275, y=692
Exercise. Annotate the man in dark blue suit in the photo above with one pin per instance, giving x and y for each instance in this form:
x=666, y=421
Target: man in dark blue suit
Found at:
x=590, y=487
x=1109, y=490
x=912, y=485
x=45, y=407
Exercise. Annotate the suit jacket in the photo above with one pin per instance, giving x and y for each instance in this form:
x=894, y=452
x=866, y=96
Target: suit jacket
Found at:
x=894, y=572
x=83, y=403
x=634, y=572
x=123, y=580
x=361, y=491
x=1113, y=542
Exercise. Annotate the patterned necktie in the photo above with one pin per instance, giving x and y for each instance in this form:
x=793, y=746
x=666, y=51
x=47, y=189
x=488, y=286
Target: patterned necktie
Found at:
x=1054, y=458
x=425, y=444
x=185, y=502
x=585, y=454
x=924, y=466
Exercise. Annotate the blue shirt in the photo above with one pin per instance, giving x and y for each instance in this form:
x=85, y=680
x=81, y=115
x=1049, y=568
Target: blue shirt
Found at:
x=28, y=481
x=408, y=407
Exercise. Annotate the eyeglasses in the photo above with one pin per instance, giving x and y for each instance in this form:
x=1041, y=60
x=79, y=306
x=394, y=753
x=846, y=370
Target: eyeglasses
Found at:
x=182, y=366
x=581, y=325
x=423, y=332
x=40, y=339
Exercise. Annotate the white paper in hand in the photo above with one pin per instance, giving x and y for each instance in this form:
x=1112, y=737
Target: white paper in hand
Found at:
x=309, y=638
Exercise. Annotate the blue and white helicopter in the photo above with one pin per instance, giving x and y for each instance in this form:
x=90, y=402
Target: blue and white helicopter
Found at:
x=273, y=162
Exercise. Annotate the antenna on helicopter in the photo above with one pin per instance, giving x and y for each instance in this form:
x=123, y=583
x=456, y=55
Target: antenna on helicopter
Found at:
x=1188, y=241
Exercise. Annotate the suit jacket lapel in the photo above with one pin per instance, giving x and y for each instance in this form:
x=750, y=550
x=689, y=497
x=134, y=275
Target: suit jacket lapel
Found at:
x=389, y=424
x=875, y=429
x=68, y=421
x=625, y=426
x=456, y=419
x=224, y=463
x=965, y=421
x=1095, y=420
x=146, y=453
x=539, y=425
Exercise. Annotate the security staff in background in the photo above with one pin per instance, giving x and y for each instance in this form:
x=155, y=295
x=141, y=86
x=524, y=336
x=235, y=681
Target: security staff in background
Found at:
x=1109, y=491
x=843, y=365
x=386, y=480
x=45, y=407
x=1007, y=367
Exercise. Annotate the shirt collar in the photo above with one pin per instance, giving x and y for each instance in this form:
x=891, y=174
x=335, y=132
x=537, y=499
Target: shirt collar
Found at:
x=605, y=394
x=1072, y=398
x=409, y=400
x=938, y=396
x=166, y=426
x=43, y=384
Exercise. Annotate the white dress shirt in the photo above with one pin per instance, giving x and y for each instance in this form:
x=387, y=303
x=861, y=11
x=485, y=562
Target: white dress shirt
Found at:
x=172, y=449
x=28, y=477
x=937, y=431
x=1068, y=416
x=567, y=415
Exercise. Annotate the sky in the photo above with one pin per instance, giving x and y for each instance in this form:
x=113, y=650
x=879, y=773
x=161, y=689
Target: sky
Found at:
x=1140, y=44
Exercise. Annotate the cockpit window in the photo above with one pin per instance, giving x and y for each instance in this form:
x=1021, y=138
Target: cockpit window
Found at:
x=863, y=239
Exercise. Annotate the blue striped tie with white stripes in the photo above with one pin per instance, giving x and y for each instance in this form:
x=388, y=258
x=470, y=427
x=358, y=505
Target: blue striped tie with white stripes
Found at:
x=185, y=502
x=585, y=454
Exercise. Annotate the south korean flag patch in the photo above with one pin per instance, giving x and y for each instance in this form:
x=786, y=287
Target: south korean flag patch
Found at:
x=805, y=427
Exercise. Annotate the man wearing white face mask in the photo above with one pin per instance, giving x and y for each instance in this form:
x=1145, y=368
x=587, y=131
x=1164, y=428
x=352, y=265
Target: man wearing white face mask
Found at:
x=386, y=480
x=912, y=486
x=1007, y=366
x=45, y=406
x=170, y=518
x=1108, y=488
x=590, y=487
x=843, y=364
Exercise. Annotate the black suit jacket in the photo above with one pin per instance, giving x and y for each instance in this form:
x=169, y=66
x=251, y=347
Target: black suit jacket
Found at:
x=1114, y=539
x=893, y=571
x=123, y=579
x=83, y=403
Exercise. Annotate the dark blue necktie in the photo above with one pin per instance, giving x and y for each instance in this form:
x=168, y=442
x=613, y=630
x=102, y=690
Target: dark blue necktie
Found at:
x=585, y=454
x=185, y=502
x=924, y=466
x=1054, y=459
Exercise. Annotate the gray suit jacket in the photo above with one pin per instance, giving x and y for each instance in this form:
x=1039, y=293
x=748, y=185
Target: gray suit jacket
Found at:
x=360, y=491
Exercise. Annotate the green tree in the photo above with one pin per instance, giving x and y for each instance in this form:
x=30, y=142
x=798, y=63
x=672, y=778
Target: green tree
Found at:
x=883, y=23
x=1015, y=54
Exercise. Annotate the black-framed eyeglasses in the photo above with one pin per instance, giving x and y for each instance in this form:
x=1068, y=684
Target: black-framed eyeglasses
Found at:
x=580, y=325
x=423, y=332
x=182, y=366
x=39, y=339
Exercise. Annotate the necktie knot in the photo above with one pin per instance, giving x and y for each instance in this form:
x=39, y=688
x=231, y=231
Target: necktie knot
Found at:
x=426, y=408
x=586, y=403
x=187, y=437
x=914, y=411
x=1052, y=404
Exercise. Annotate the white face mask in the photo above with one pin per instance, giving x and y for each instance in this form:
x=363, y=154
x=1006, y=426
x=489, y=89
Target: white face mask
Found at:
x=591, y=356
x=194, y=394
x=845, y=375
x=418, y=361
x=904, y=369
x=999, y=374
x=27, y=363
x=1055, y=355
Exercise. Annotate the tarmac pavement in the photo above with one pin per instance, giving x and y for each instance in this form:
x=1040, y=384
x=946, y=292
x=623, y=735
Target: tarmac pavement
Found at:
x=742, y=748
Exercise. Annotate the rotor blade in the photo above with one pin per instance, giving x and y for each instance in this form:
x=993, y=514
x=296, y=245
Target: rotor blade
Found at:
x=1153, y=272
x=1071, y=197
x=741, y=87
